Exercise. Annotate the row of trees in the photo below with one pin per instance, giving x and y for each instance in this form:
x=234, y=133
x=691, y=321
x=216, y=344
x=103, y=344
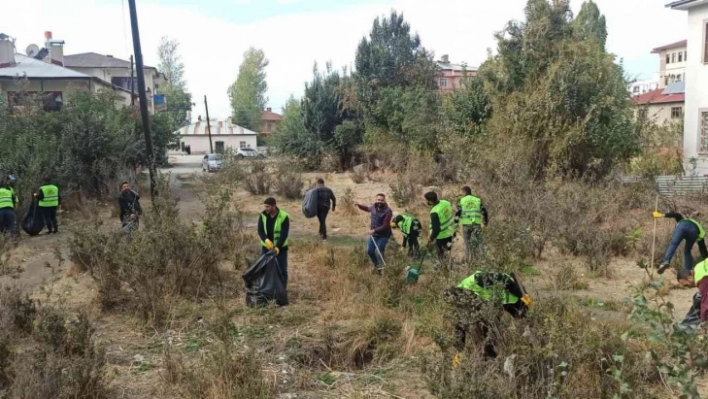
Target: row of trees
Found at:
x=552, y=89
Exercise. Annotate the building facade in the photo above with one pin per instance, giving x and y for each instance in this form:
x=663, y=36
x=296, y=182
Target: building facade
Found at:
x=270, y=121
x=224, y=135
x=451, y=76
x=640, y=87
x=673, y=59
x=695, y=137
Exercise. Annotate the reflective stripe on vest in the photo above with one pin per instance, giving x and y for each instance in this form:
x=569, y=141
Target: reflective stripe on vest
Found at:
x=700, y=271
x=6, y=198
x=485, y=293
x=279, y=219
x=701, y=231
x=447, y=219
x=51, y=196
x=405, y=225
x=471, y=210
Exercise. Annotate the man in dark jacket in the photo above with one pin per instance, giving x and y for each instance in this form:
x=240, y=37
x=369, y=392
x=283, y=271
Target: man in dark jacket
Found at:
x=8, y=202
x=325, y=199
x=689, y=230
x=380, y=230
x=130, y=210
x=274, y=229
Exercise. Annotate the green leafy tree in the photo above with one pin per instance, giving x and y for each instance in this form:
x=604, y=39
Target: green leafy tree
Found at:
x=175, y=87
x=248, y=93
x=590, y=24
x=292, y=137
x=467, y=109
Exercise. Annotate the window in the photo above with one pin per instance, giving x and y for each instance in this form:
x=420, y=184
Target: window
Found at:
x=48, y=100
x=704, y=132
x=635, y=90
x=676, y=112
x=680, y=57
x=242, y=144
x=678, y=77
x=705, y=44
x=268, y=126
x=666, y=80
x=125, y=82
x=673, y=57
x=685, y=55
x=668, y=59
x=443, y=82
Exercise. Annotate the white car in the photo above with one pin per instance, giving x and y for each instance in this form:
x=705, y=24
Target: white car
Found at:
x=212, y=162
x=248, y=153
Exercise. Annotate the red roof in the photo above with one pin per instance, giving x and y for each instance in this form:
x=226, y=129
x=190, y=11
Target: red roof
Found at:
x=270, y=116
x=655, y=97
x=682, y=43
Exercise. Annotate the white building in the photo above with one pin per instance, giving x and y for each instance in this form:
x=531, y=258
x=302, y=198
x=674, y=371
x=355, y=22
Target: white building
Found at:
x=640, y=87
x=695, y=142
x=224, y=134
x=673, y=59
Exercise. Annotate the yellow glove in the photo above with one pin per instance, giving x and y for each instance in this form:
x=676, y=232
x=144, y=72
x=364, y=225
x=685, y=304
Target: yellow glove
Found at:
x=268, y=244
x=393, y=225
x=657, y=215
x=277, y=250
x=456, y=361
x=526, y=299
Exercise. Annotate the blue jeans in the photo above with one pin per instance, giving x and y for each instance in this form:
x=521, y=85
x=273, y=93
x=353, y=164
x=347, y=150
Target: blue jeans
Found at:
x=371, y=249
x=282, y=259
x=687, y=231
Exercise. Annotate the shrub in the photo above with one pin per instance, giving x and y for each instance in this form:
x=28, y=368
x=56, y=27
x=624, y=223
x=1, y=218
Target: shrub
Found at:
x=259, y=180
x=404, y=191
x=288, y=181
x=347, y=203
x=358, y=175
x=566, y=278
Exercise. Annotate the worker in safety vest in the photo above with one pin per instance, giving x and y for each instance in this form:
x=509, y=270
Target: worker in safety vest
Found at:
x=48, y=197
x=411, y=228
x=442, y=223
x=686, y=229
x=696, y=278
x=8, y=201
x=473, y=217
x=273, y=229
x=473, y=292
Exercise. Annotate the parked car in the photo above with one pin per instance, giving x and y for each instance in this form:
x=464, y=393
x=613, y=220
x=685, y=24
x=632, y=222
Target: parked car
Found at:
x=212, y=162
x=248, y=153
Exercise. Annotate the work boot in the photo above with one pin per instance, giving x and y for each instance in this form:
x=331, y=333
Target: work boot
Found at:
x=662, y=267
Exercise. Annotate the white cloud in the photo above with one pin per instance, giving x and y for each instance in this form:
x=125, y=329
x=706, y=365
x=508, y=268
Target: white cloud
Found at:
x=212, y=47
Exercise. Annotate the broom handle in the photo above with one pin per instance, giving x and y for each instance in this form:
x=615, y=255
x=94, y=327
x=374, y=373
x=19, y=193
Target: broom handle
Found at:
x=653, y=241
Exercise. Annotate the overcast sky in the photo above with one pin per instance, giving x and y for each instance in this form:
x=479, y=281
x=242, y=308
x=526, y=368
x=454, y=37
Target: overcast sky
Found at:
x=297, y=33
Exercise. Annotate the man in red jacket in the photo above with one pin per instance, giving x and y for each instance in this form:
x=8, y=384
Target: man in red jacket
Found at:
x=696, y=278
x=380, y=230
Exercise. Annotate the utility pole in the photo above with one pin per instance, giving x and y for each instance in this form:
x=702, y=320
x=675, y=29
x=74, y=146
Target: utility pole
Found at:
x=143, y=97
x=132, y=83
x=206, y=105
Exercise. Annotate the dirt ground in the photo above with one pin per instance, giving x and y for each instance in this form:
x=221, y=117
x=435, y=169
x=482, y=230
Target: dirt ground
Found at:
x=135, y=354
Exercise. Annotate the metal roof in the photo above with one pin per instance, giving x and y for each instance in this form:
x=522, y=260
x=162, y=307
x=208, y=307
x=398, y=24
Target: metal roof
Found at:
x=685, y=4
x=675, y=88
x=35, y=69
x=680, y=44
x=95, y=60
x=218, y=128
x=448, y=66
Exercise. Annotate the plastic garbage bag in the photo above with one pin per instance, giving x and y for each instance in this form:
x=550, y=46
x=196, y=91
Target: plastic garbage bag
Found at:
x=309, y=204
x=33, y=222
x=264, y=282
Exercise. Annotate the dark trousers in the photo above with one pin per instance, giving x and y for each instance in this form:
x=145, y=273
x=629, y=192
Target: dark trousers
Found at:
x=49, y=213
x=322, y=217
x=282, y=263
x=8, y=221
x=444, y=246
x=411, y=242
x=685, y=231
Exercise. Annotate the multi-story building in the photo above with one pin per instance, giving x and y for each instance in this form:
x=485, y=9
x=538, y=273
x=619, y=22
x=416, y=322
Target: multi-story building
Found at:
x=640, y=87
x=269, y=121
x=451, y=76
x=672, y=62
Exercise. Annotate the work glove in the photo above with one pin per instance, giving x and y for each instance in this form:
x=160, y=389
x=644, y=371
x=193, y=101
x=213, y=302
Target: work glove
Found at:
x=526, y=299
x=277, y=251
x=393, y=225
x=269, y=244
x=657, y=215
x=456, y=360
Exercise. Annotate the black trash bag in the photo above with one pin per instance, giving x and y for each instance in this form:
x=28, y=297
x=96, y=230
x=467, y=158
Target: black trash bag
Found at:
x=309, y=204
x=33, y=222
x=264, y=282
x=693, y=317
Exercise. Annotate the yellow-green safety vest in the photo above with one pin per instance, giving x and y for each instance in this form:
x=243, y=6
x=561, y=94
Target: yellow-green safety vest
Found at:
x=447, y=219
x=471, y=210
x=485, y=293
x=405, y=224
x=6, y=198
x=51, y=196
x=279, y=219
x=700, y=271
x=701, y=230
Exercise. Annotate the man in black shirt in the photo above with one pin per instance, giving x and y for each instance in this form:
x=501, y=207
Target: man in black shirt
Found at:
x=130, y=210
x=273, y=230
x=325, y=198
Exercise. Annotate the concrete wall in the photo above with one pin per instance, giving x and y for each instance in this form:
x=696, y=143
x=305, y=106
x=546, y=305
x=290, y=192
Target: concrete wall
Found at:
x=661, y=113
x=673, y=68
x=696, y=92
x=200, y=143
x=64, y=86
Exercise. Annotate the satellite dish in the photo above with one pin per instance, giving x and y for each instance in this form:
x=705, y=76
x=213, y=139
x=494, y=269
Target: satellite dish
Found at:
x=32, y=50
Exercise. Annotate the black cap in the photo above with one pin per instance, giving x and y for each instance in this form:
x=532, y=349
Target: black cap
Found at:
x=431, y=196
x=269, y=201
